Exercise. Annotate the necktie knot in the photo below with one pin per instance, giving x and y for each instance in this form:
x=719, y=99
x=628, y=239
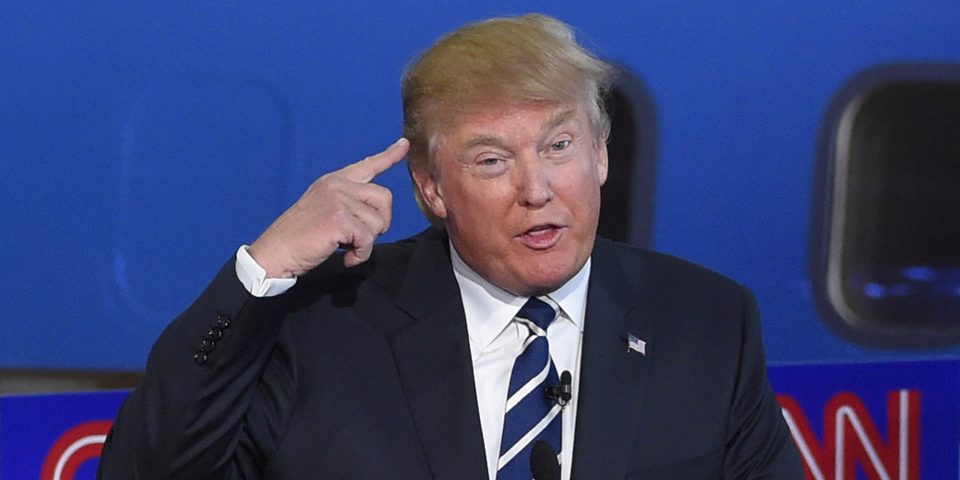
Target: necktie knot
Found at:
x=539, y=312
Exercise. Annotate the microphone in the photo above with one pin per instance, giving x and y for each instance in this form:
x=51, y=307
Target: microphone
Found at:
x=543, y=461
x=563, y=392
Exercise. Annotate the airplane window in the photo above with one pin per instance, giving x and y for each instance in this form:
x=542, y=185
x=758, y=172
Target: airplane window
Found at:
x=889, y=263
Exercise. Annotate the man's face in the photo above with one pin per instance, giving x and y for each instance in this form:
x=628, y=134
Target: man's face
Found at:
x=518, y=189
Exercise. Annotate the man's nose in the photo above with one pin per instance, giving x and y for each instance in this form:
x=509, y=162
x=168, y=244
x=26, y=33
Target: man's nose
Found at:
x=534, y=181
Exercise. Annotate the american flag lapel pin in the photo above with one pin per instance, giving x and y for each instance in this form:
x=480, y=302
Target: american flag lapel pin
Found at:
x=635, y=344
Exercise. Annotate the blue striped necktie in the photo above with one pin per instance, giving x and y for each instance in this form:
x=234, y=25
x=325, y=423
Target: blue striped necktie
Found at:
x=530, y=415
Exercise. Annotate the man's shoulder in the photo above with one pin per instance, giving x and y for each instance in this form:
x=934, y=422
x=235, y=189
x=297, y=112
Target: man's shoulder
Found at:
x=657, y=268
x=685, y=301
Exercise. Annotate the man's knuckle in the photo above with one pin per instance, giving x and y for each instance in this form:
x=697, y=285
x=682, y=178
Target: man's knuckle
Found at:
x=341, y=216
x=367, y=237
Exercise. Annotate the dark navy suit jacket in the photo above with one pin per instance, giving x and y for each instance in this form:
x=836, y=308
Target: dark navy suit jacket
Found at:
x=365, y=373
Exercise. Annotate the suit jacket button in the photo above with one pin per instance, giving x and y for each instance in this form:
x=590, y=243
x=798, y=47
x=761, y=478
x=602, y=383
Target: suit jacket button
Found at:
x=200, y=358
x=207, y=345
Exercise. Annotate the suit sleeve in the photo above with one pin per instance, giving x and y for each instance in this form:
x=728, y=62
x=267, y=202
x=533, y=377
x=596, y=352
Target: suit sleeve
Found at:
x=186, y=419
x=759, y=445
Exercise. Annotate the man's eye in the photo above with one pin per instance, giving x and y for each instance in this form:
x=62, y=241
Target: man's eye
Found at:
x=561, y=145
x=490, y=161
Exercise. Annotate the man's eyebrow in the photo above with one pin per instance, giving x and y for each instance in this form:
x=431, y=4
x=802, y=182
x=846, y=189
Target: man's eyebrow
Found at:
x=557, y=119
x=554, y=121
x=483, y=139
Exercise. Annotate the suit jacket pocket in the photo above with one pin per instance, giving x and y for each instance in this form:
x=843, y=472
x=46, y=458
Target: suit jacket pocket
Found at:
x=704, y=467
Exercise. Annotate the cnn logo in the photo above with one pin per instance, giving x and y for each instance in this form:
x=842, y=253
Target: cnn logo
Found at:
x=852, y=439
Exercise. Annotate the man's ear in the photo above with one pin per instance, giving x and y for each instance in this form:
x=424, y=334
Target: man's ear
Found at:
x=602, y=161
x=428, y=191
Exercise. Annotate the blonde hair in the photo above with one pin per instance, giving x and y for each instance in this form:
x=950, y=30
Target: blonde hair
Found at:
x=501, y=61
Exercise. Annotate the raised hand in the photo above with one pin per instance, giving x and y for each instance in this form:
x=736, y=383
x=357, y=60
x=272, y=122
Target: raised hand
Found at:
x=340, y=209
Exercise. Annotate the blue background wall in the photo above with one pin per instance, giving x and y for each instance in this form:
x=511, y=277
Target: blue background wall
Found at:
x=142, y=142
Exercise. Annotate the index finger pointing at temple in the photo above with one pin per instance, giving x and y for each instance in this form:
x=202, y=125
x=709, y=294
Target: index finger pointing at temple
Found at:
x=367, y=169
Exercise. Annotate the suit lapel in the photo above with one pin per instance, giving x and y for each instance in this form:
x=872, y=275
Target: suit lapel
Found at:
x=432, y=355
x=611, y=393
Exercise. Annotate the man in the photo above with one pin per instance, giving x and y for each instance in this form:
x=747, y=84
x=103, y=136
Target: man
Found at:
x=408, y=360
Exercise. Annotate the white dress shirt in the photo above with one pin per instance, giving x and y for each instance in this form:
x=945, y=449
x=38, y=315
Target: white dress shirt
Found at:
x=254, y=277
x=495, y=341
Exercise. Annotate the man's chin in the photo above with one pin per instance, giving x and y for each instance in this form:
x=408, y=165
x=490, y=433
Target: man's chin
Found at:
x=543, y=283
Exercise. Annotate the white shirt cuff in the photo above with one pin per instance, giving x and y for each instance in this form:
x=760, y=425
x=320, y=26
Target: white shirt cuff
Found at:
x=254, y=277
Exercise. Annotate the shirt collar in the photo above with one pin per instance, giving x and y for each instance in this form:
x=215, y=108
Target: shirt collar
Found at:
x=489, y=309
